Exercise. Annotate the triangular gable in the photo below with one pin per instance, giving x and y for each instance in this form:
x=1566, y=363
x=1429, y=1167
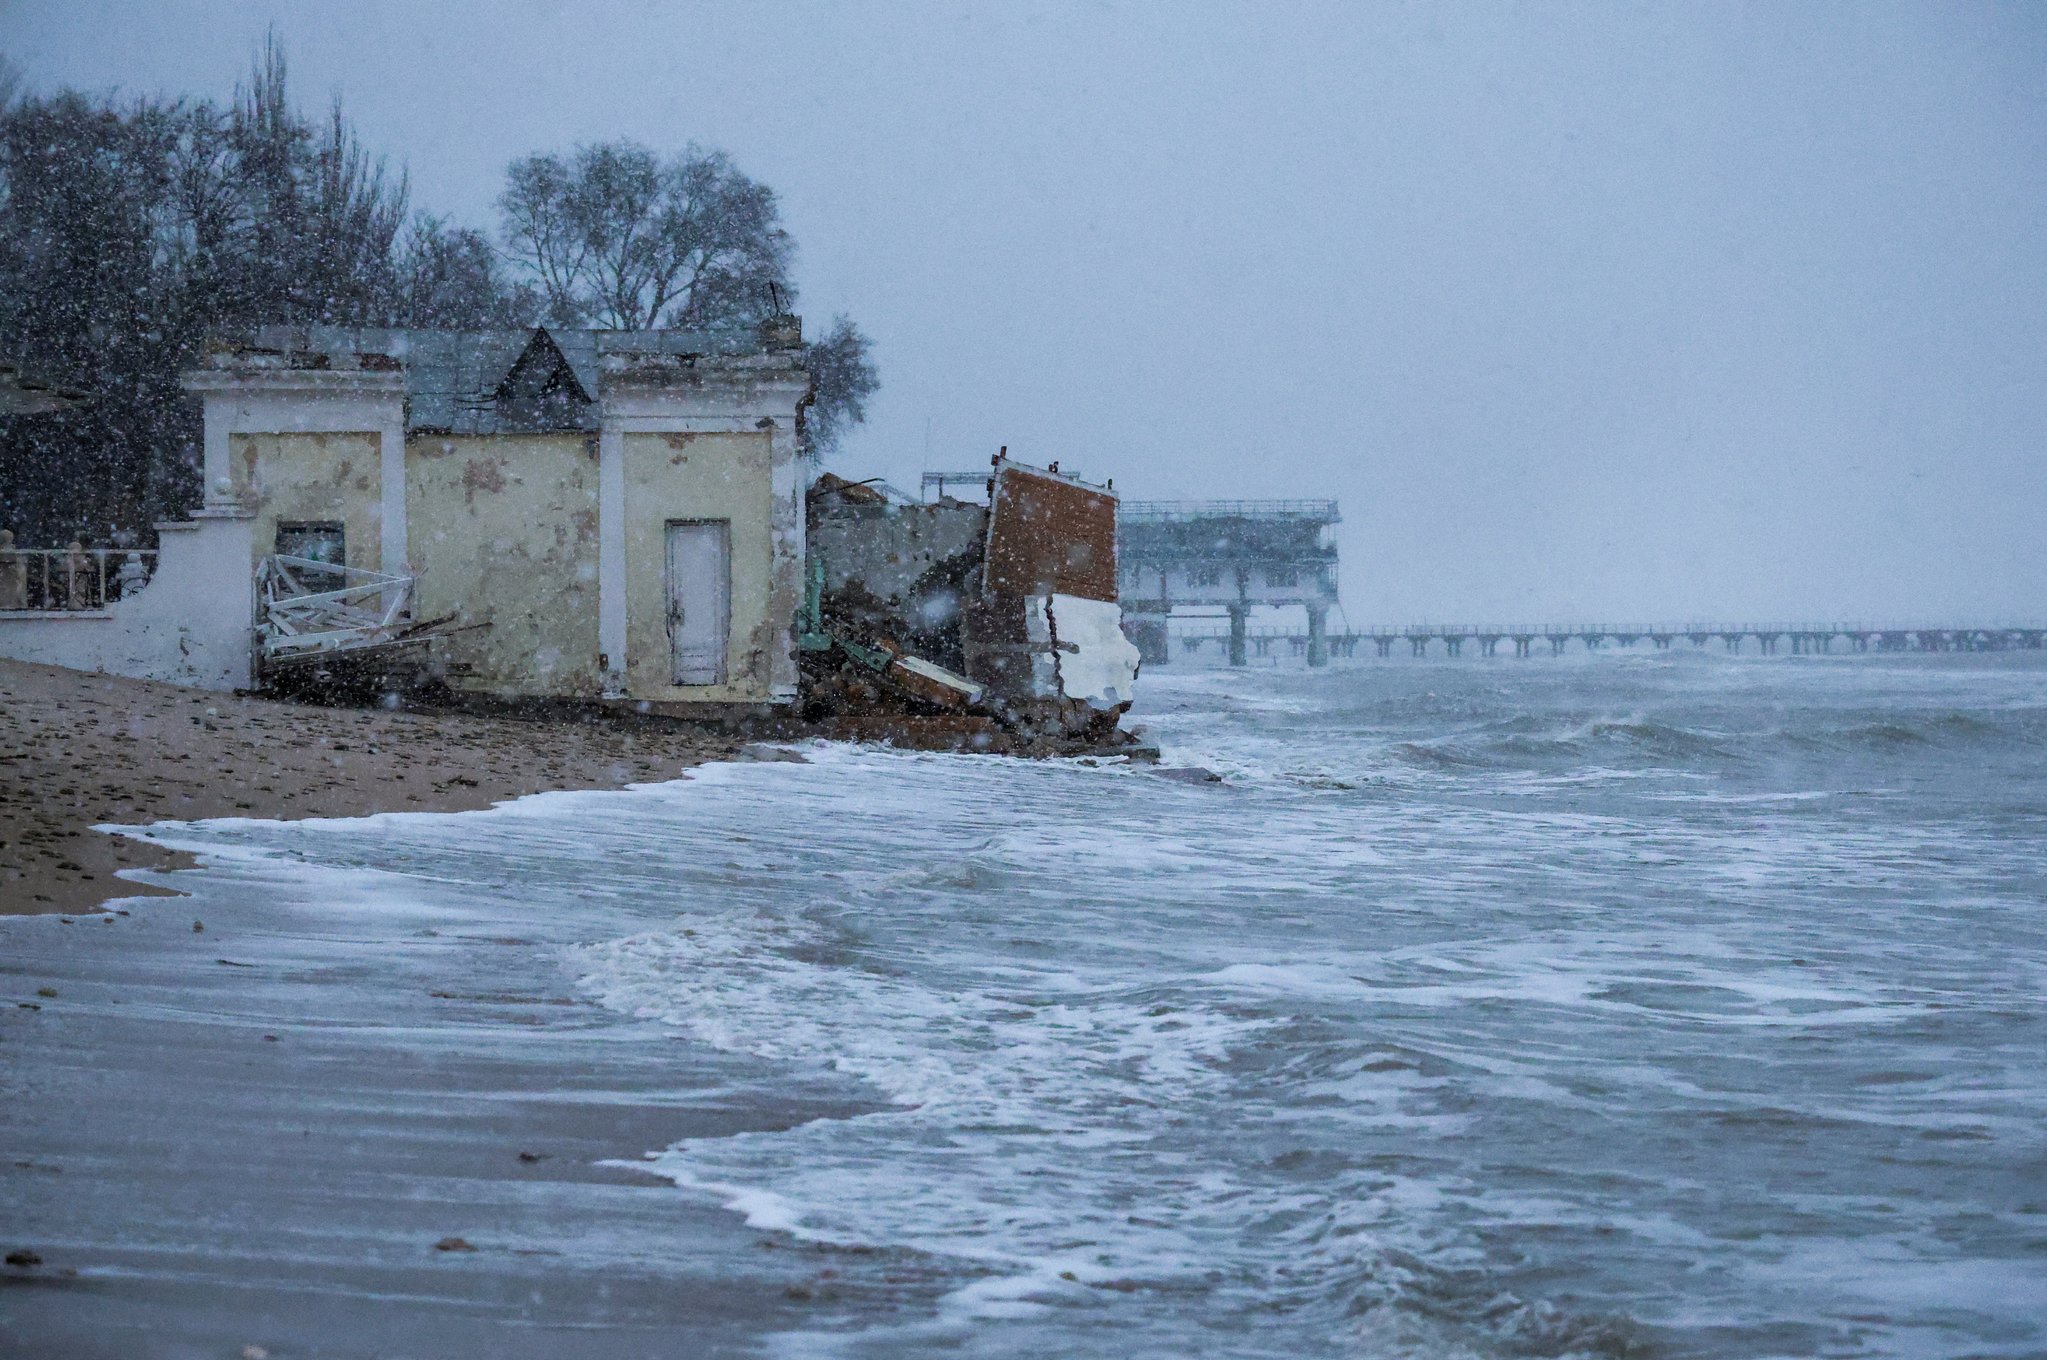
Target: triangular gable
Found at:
x=541, y=391
x=541, y=370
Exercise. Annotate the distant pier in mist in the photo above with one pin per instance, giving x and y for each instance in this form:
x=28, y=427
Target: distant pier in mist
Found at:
x=1554, y=639
x=1185, y=560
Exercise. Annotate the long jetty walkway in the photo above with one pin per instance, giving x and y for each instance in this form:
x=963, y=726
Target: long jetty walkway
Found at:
x=1527, y=639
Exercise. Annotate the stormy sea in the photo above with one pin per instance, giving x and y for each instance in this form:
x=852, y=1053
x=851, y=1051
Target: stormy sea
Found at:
x=1636, y=1004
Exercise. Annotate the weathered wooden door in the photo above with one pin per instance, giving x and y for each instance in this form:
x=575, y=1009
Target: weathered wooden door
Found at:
x=699, y=598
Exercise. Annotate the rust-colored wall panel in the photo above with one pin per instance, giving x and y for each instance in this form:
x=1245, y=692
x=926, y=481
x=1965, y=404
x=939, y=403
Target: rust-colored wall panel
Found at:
x=1047, y=533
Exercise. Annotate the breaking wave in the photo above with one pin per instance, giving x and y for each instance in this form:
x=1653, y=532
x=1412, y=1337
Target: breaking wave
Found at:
x=1608, y=1010
x=1401, y=1040
x=1041, y=1139
x=1519, y=743
x=1697, y=719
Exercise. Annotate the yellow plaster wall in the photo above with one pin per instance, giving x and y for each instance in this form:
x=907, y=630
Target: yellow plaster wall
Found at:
x=699, y=477
x=503, y=529
x=288, y=478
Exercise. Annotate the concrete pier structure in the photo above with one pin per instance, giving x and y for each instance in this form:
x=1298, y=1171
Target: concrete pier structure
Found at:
x=1318, y=634
x=1222, y=559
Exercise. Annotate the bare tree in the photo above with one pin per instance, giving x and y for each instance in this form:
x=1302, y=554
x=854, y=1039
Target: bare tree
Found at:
x=843, y=378
x=614, y=235
x=323, y=214
x=619, y=237
x=451, y=277
x=12, y=82
x=132, y=229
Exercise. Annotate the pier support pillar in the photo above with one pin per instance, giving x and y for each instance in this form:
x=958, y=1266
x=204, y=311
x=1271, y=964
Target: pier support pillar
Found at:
x=1149, y=634
x=1240, y=616
x=1318, y=635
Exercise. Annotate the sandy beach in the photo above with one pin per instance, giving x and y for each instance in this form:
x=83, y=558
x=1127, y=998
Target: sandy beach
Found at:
x=290, y=1132
x=300, y=1132
x=79, y=750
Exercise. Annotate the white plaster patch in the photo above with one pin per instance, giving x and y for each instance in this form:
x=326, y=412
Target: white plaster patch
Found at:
x=1093, y=661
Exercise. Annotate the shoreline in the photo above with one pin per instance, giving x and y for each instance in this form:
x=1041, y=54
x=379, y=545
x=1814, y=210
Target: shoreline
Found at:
x=278, y=1137
x=79, y=750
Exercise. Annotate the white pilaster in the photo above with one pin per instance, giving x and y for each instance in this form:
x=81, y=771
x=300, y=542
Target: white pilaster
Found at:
x=786, y=527
x=611, y=556
x=219, y=472
x=391, y=475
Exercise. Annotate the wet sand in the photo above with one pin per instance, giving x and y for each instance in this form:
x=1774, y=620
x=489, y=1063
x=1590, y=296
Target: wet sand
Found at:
x=295, y=1132
x=298, y=1133
x=79, y=749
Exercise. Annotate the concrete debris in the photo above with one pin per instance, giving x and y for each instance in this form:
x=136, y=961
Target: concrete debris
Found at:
x=1086, y=657
x=927, y=680
x=1006, y=611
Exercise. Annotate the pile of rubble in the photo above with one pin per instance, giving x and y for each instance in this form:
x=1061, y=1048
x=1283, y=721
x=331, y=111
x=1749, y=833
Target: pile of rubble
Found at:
x=994, y=624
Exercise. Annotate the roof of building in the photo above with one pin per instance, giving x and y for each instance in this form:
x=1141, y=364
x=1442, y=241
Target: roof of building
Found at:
x=487, y=382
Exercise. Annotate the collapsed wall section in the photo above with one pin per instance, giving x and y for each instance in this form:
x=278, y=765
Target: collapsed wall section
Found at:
x=900, y=572
x=1018, y=598
x=1051, y=559
x=190, y=625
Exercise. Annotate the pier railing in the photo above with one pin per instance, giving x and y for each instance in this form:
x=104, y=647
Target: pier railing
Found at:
x=1162, y=511
x=1806, y=637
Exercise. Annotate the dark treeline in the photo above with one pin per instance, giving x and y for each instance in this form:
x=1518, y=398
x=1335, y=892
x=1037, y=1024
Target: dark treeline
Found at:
x=132, y=230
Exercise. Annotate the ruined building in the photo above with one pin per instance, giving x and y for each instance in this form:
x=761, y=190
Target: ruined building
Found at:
x=567, y=513
x=600, y=516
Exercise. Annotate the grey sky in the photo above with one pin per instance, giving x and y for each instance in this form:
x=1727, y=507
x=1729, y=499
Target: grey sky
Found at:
x=1618, y=310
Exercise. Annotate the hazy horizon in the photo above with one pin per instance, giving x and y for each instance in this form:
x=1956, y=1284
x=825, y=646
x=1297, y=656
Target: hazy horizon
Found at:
x=1579, y=311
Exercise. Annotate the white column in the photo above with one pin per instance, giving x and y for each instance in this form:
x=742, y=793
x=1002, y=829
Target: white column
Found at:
x=786, y=526
x=219, y=472
x=391, y=473
x=611, y=557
